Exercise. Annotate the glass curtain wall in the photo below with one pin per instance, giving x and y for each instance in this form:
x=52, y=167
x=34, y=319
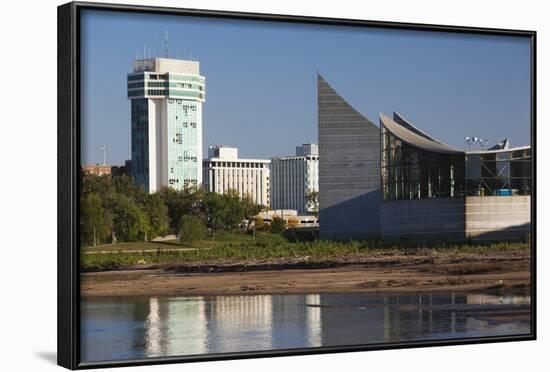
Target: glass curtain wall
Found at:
x=410, y=173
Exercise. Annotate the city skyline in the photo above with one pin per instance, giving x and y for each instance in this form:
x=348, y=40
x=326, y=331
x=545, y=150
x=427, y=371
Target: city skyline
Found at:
x=263, y=83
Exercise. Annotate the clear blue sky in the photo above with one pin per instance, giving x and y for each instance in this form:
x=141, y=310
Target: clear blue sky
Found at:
x=261, y=80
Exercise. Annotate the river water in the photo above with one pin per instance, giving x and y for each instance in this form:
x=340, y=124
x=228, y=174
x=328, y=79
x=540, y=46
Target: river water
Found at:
x=135, y=327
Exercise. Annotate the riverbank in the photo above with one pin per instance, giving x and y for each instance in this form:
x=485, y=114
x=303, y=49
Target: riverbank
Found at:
x=506, y=272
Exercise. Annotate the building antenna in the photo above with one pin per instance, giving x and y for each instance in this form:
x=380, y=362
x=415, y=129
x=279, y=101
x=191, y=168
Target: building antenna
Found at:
x=144, y=52
x=166, y=44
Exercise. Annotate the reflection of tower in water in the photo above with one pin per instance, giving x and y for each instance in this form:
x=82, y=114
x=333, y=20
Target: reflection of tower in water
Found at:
x=314, y=328
x=239, y=323
x=263, y=322
x=153, y=329
x=175, y=327
x=186, y=327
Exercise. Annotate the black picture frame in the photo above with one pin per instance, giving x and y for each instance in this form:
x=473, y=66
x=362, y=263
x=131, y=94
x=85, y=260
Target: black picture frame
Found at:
x=69, y=110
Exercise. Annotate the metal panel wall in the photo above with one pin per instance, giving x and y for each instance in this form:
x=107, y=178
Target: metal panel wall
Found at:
x=349, y=169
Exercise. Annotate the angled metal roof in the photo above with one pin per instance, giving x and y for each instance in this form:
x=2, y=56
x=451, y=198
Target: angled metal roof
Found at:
x=399, y=119
x=422, y=142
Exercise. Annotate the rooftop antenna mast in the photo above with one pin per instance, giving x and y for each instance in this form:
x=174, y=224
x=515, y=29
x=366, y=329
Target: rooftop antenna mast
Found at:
x=166, y=44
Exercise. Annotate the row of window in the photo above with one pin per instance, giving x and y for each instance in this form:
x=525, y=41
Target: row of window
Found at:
x=183, y=105
x=231, y=164
x=164, y=84
x=199, y=79
x=164, y=92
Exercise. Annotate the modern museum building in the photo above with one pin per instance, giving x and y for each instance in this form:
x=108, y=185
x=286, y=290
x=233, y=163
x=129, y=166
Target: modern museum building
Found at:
x=395, y=182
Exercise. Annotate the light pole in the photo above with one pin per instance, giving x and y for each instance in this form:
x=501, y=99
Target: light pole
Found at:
x=104, y=149
x=470, y=141
x=473, y=140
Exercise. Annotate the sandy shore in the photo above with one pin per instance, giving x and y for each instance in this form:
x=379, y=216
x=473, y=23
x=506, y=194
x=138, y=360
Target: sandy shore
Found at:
x=456, y=273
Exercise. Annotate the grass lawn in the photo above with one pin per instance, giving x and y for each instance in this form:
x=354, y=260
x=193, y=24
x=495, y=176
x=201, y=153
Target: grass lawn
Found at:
x=228, y=247
x=219, y=239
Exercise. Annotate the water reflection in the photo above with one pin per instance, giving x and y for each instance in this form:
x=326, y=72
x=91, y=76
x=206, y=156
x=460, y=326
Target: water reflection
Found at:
x=240, y=322
x=129, y=328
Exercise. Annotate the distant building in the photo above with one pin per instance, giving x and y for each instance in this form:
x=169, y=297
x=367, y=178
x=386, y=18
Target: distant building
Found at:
x=307, y=149
x=97, y=169
x=291, y=217
x=293, y=178
x=122, y=170
x=224, y=171
x=167, y=96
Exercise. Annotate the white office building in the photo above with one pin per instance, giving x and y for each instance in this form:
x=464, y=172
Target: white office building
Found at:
x=293, y=178
x=167, y=97
x=224, y=171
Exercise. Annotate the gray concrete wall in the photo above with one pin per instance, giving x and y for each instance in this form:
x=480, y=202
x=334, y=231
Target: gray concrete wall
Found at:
x=349, y=169
x=423, y=219
x=498, y=217
x=473, y=217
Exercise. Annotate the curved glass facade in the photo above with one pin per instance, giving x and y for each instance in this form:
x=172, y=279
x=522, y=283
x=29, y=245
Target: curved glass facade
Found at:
x=410, y=173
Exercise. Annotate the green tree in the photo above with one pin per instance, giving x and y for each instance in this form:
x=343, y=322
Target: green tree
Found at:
x=278, y=225
x=179, y=203
x=223, y=212
x=91, y=183
x=233, y=209
x=95, y=222
x=192, y=229
x=313, y=202
x=124, y=185
x=130, y=222
x=249, y=207
x=157, y=212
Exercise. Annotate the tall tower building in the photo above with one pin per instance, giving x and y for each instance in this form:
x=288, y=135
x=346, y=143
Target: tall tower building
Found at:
x=167, y=96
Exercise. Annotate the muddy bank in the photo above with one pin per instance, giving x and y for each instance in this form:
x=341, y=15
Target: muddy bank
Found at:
x=455, y=273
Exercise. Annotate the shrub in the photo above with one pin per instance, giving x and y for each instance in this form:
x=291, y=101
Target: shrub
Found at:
x=278, y=225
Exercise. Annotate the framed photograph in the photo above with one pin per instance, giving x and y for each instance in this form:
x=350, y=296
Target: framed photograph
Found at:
x=237, y=185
